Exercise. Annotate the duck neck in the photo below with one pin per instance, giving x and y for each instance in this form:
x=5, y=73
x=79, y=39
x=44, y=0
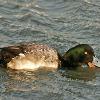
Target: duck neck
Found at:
x=62, y=62
x=67, y=63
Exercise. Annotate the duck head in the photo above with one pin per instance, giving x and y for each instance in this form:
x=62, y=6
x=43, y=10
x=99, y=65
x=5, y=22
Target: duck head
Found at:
x=80, y=55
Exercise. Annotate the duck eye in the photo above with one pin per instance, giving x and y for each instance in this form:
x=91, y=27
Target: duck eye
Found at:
x=85, y=53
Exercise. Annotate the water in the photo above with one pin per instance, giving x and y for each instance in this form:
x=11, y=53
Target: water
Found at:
x=61, y=24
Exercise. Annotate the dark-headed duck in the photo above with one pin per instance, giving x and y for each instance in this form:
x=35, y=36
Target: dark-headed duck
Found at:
x=31, y=56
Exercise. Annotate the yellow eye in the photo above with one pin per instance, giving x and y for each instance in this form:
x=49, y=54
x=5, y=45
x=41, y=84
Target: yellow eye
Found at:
x=85, y=53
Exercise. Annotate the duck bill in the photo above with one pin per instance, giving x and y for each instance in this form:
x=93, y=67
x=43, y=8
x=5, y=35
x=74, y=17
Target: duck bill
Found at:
x=95, y=63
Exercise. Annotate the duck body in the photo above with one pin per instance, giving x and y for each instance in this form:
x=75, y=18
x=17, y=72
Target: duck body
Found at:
x=32, y=56
x=29, y=56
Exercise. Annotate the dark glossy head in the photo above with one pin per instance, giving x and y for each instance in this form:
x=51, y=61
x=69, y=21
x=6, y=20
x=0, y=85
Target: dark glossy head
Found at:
x=78, y=55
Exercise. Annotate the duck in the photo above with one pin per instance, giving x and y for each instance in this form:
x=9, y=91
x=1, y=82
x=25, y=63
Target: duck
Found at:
x=32, y=56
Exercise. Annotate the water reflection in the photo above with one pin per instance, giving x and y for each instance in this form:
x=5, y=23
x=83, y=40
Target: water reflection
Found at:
x=25, y=81
x=45, y=82
x=85, y=74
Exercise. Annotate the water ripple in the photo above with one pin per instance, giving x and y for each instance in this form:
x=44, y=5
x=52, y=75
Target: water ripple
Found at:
x=61, y=24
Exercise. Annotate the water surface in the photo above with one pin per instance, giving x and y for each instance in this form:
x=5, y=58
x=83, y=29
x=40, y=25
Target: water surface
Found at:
x=61, y=24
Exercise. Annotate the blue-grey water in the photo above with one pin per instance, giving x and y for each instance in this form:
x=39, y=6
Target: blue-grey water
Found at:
x=61, y=24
